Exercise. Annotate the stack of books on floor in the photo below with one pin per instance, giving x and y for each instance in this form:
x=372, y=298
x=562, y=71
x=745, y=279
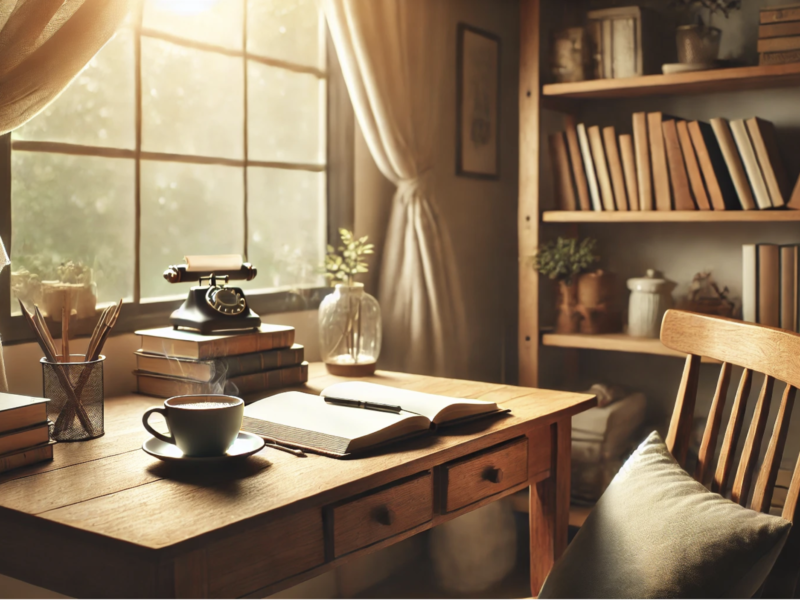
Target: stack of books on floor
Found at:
x=24, y=431
x=771, y=285
x=667, y=163
x=602, y=438
x=779, y=35
x=174, y=362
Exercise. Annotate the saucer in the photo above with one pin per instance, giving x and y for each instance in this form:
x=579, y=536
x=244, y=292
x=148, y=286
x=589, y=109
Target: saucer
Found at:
x=246, y=444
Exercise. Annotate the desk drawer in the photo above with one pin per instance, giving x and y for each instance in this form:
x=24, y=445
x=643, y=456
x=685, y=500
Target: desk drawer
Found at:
x=358, y=523
x=484, y=474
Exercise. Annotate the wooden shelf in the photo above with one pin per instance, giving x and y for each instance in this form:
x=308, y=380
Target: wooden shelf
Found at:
x=616, y=342
x=699, y=82
x=671, y=216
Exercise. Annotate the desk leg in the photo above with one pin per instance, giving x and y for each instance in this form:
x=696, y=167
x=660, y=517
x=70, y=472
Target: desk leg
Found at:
x=549, y=507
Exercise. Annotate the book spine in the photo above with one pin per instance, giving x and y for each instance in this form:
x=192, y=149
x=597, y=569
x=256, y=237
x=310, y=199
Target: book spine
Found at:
x=788, y=307
x=779, y=15
x=677, y=167
x=734, y=163
x=769, y=290
x=246, y=344
x=781, y=44
x=794, y=199
x=588, y=164
x=26, y=457
x=628, y=158
x=578, y=171
x=558, y=156
x=270, y=380
x=762, y=134
x=641, y=145
x=262, y=361
x=749, y=283
x=601, y=166
x=752, y=169
x=779, y=58
x=658, y=155
x=778, y=30
x=692, y=167
x=615, y=168
x=27, y=438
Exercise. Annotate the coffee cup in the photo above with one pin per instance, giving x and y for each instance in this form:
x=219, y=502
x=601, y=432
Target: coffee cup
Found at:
x=199, y=425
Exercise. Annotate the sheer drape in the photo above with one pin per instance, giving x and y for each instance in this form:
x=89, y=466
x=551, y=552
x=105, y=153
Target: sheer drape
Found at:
x=392, y=54
x=44, y=44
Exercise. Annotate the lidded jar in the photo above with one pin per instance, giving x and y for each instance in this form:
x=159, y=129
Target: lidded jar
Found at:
x=651, y=296
x=350, y=331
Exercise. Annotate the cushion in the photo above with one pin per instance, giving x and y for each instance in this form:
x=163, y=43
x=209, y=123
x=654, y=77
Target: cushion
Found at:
x=658, y=533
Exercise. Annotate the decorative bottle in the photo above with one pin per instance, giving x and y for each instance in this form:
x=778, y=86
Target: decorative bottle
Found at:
x=350, y=331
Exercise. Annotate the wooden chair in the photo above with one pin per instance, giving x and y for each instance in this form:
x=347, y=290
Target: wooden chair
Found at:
x=768, y=350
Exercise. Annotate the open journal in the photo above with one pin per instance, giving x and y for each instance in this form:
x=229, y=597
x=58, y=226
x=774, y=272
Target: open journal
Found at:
x=312, y=423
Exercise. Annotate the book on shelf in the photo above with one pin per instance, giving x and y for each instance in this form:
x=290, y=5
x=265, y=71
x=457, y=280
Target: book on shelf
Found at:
x=641, y=145
x=26, y=456
x=588, y=164
x=601, y=167
x=789, y=282
x=658, y=156
x=748, y=156
x=794, y=199
x=209, y=370
x=615, y=168
x=775, y=30
x=692, y=166
x=717, y=177
x=309, y=422
x=749, y=283
x=677, y=167
x=188, y=344
x=628, y=157
x=27, y=437
x=778, y=44
x=765, y=144
x=779, y=14
x=768, y=281
x=779, y=58
x=164, y=386
x=769, y=285
x=565, y=193
x=576, y=163
x=19, y=412
x=734, y=163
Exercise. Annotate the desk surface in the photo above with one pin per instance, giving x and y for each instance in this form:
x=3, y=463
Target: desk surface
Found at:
x=110, y=489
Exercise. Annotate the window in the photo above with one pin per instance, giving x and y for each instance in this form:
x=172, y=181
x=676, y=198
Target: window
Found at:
x=200, y=128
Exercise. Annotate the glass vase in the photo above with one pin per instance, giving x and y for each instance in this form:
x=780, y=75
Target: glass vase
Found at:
x=350, y=331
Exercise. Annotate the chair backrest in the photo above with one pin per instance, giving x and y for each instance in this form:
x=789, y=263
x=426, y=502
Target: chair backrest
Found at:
x=757, y=348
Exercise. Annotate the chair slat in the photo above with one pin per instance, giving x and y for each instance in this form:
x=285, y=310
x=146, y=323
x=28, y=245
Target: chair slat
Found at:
x=752, y=445
x=711, y=432
x=772, y=460
x=731, y=439
x=680, y=428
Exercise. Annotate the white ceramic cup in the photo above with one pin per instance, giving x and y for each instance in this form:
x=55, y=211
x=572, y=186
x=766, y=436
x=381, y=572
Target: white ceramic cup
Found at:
x=199, y=425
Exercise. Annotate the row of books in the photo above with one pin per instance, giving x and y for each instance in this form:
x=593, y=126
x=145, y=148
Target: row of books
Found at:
x=671, y=164
x=24, y=431
x=771, y=285
x=175, y=362
x=779, y=35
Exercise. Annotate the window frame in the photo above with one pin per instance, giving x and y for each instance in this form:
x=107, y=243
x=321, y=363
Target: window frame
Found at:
x=339, y=168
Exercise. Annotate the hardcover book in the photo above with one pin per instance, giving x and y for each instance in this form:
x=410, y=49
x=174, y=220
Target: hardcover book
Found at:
x=188, y=344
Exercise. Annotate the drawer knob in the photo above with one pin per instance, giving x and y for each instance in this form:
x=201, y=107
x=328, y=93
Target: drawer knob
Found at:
x=493, y=474
x=384, y=515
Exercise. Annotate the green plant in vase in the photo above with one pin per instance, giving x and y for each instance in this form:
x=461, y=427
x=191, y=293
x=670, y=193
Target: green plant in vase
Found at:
x=563, y=261
x=349, y=318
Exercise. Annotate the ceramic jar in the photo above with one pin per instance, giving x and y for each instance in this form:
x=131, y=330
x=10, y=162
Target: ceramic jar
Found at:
x=651, y=296
x=350, y=331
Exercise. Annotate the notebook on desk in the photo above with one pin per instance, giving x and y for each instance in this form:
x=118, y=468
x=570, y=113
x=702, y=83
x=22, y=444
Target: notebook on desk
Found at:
x=312, y=423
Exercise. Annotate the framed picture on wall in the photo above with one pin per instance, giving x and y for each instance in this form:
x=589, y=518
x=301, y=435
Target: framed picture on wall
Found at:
x=477, y=103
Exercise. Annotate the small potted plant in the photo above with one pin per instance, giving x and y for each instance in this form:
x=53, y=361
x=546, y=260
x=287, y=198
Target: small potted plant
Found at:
x=349, y=318
x=564, y=260
x=699, y=42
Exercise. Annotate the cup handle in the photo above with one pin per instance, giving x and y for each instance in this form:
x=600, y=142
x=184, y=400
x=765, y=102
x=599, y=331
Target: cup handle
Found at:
x=164, y=438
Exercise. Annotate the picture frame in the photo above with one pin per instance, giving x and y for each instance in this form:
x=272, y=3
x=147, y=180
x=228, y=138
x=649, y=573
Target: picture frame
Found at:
x=477, y=103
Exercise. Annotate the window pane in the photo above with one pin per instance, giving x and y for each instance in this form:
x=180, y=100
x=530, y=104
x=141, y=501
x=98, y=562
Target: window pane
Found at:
x=285, y=29
x=286, y=226
x=211, y=21
x=97, y=108
x=187, y=209
x=73, y=208
x=192, y=101
x=284, y=119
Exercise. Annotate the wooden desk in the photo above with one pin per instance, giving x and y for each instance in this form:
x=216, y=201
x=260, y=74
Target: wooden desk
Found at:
x=105, y=519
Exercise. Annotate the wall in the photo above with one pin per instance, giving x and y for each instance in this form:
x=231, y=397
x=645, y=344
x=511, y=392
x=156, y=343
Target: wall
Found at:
x=481, y=215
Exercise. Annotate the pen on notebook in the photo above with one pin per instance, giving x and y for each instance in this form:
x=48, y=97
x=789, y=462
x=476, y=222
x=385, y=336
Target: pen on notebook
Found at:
x=364, y=404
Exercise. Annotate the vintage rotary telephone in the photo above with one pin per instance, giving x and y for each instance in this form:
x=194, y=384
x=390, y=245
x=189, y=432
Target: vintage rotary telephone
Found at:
x=216, y=307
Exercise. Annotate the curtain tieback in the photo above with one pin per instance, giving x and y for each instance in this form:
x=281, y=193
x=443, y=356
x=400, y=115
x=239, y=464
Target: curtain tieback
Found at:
x=419, y=186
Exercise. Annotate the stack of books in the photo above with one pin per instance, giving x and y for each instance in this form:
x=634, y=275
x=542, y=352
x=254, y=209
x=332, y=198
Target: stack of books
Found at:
x=174, y=362
x=671, y=164
x=24, y=431
x=602, y=438
x=770, y=284
x=779, y=35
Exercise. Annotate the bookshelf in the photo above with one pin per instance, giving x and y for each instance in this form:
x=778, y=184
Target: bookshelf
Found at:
x=673, y=216
x=615, y=342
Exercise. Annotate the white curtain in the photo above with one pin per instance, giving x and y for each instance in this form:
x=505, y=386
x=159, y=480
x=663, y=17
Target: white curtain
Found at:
x=393, y=55
x=44, y=44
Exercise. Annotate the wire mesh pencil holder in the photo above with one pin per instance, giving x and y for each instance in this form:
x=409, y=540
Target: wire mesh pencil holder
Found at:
x=75, y=390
